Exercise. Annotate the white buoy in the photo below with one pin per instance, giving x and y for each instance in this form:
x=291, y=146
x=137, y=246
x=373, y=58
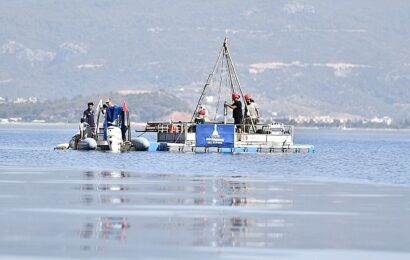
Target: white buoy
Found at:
x=87, y=144
x=140, y=144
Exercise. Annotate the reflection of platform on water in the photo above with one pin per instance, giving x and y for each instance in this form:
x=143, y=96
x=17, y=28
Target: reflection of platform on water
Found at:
x=249, y=232
x=106, y=174
x=105, y=199
x=224, y=195
x=103, y=187
x=106, y=228
x=251, y=212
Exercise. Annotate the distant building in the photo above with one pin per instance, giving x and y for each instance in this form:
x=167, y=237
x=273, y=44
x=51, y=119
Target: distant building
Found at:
x=38, y=121
x=15, y=119
x=125, y=92
x=33, y=100
x=323, y=119
x=20, y=100
x=382, y=120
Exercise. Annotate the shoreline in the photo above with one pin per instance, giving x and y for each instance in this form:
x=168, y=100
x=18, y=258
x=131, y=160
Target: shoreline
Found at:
x=51, y=124
x=143, y=124
x=354, y=129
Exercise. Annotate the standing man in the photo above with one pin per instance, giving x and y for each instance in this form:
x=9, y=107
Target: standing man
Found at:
x=252, y=112
x=88, y=116
x=236, y=107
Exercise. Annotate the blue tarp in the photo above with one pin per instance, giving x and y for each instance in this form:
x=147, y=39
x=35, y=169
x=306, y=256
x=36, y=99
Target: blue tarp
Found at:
x=114, y=116
x=215, y=135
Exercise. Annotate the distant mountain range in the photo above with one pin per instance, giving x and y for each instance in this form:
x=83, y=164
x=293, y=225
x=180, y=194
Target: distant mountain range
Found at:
x=344, y=58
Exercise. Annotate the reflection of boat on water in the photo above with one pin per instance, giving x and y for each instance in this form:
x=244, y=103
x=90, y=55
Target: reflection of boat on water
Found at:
x=218, y=135
x=102, y=188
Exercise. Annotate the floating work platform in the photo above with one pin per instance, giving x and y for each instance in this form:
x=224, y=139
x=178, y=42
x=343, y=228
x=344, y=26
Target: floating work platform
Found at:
x=222, y=138
x=203, y=134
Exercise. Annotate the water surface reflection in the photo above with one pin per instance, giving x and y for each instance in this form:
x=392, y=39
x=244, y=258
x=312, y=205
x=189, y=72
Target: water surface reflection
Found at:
x=106, y=228
x=173, y=203
x=120, y=213
x=106, y=192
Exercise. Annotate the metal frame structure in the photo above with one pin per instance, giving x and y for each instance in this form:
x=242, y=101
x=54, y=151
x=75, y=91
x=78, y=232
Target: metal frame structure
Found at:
x=224, y=55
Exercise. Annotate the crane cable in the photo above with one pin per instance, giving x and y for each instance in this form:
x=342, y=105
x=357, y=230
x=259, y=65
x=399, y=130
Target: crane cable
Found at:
x=219, y=90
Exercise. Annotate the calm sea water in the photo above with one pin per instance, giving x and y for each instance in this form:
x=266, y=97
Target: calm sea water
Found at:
x=349, y=200
x=375, y=156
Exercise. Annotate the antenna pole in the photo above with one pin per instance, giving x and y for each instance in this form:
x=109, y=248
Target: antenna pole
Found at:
x=228, y=65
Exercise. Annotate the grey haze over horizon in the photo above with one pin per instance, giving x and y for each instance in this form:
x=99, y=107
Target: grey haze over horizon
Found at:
x=296, y=57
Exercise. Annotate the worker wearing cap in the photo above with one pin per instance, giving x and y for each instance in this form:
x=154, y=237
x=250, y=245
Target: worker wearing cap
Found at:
x=236, y=107
x=108, y=103
x=252, y=113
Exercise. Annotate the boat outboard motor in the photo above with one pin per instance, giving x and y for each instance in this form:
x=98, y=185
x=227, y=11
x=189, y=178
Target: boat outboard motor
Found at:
x=114, y=138
x=114, y=127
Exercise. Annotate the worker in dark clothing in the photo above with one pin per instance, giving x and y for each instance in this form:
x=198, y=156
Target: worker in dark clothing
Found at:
x=88, y=116
x=236, y=107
